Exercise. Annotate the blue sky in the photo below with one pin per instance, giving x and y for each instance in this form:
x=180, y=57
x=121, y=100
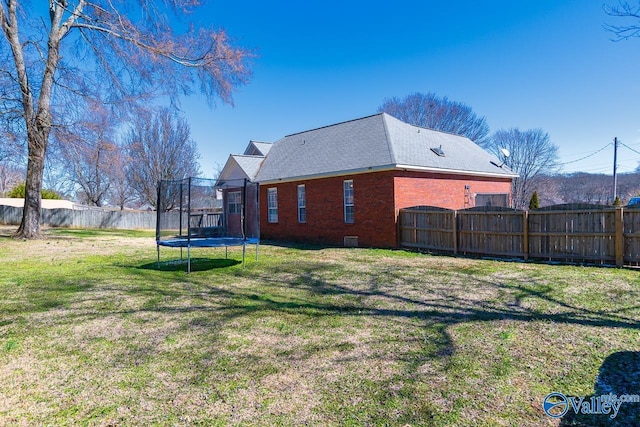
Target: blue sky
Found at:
x=529, y=64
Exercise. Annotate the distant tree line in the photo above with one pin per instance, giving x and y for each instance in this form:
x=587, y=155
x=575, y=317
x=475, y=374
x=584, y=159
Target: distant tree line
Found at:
x=581, y=187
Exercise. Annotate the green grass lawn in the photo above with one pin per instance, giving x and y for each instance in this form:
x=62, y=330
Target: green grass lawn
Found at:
x=93, y=332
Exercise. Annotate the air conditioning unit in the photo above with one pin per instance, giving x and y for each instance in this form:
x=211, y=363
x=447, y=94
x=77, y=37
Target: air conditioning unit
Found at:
x=350, y=241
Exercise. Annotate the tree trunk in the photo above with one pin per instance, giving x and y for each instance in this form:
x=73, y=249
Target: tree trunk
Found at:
x=31, y=213
x=37, y=121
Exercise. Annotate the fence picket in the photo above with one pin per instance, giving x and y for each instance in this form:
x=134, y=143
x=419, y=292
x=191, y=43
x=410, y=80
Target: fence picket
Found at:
x=85, y=218
x=568, y=233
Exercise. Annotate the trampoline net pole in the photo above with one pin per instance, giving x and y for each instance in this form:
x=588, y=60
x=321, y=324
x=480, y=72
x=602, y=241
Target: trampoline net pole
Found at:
x=189, y=211
x=243, y=224
x=158, y=217
x=180, y=213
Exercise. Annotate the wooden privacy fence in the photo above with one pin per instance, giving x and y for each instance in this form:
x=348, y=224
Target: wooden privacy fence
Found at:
x=569, y=233
x=85, y=218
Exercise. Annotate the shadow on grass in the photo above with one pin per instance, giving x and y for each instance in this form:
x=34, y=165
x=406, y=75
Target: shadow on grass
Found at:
x=197, y=264
x=318, y=288
x=448, y=307
x=7, y=232
x=74, y=233
x=321, y=289
x=619, y=375
x=418, y=309
x=303, y=246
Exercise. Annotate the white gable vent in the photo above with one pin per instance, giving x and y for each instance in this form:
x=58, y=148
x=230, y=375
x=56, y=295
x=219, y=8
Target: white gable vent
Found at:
x=350, y=241
x=438, y=151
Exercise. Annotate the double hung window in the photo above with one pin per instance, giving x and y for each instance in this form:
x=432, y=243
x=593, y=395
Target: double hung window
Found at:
x=272, y=204
x=348, y=202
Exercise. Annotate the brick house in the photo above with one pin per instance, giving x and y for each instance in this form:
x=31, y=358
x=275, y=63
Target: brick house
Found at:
x=344, y=183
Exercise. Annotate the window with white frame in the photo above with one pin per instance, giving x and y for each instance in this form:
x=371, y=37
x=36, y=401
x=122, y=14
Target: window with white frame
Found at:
x=272, y=204
x=348, y=201
x=234, y=202
x=302, y=204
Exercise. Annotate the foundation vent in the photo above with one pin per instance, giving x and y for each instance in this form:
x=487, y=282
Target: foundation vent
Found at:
x=350, y=241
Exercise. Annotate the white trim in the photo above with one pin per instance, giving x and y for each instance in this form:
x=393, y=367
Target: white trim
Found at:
x=388, y=168
x=457, y=172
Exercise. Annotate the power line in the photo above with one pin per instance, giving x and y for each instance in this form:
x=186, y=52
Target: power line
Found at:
x=579, y=153
x=635, y=151
x=627, y=165
x=635, y=143
x=586, y=157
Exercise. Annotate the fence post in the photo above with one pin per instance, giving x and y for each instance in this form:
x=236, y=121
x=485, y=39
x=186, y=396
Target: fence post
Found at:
x=414, y=234
x=455, y=232
x=619, y=239
x=398, y=229
x=525, y=234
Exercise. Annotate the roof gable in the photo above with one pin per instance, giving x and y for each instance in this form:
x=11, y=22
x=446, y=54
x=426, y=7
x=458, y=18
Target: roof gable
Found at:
x=256, y=148
x=240, y=167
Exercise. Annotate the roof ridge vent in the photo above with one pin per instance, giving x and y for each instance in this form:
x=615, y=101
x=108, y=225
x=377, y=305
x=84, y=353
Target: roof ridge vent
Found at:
x=438, y=150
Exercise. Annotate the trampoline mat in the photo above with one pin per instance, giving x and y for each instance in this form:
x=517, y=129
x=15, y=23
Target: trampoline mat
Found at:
x=207, y=242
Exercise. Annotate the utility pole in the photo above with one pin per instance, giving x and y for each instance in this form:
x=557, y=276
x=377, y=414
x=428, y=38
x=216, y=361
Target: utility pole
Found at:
x=615, y=168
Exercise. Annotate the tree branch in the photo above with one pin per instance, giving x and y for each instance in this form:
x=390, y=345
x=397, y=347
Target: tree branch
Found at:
x=623, y=10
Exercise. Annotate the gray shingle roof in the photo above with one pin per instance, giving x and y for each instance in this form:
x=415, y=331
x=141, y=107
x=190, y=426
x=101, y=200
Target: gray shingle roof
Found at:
x=239, y=167
x=257, y=148
x=378, y=142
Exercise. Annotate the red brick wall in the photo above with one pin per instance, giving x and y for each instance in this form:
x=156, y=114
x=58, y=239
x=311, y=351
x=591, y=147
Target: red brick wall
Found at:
x=375, y=223
x=444, y=191
x=377, y=196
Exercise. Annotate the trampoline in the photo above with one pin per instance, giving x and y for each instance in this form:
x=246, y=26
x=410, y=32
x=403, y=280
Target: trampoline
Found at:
x=205, y=213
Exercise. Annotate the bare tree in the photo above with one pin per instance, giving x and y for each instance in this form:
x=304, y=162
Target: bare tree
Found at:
x=581, y=187
x=531, y=154
x=160, y=147
x=628, y=185
x=10, y=176
x=127, y=50
x=10, y=156
x=88, y=149
x=628, y=13
x=121, y=193
x=439, y=113
x=548, y=188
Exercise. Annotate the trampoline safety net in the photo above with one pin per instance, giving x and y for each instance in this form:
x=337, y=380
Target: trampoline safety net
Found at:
x=199, y=212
